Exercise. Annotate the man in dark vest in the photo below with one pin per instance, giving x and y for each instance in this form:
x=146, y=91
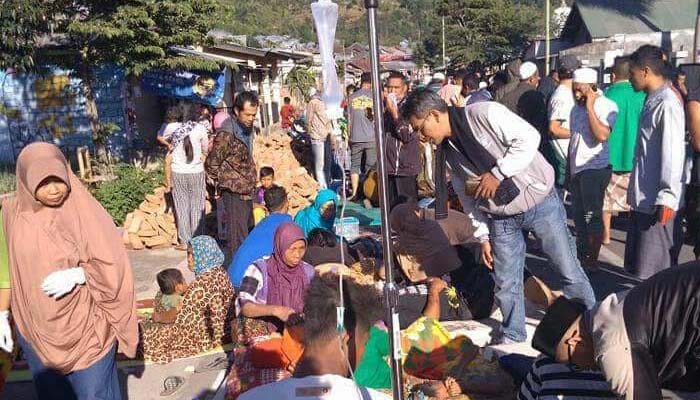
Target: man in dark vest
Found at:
x=505, y=186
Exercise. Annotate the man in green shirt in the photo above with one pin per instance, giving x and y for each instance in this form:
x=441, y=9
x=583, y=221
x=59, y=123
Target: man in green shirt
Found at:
x=622, y=141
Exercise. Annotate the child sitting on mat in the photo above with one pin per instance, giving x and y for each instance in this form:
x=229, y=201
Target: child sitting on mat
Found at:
x=169, y=300
x=267, y=180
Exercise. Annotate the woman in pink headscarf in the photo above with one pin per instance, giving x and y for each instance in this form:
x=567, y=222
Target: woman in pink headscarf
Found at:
x=72, y=287
x=273, y=287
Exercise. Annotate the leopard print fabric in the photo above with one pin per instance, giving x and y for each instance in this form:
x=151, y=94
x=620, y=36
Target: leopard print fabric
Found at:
x=202, y=324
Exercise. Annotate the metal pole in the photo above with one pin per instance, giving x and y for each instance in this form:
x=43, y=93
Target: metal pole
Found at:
x=696, y=39
x=546, y=35
x=444, y=53
x=390, y=290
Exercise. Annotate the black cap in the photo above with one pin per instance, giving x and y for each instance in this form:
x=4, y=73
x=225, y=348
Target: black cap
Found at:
x=559, y=318
x=569, y=63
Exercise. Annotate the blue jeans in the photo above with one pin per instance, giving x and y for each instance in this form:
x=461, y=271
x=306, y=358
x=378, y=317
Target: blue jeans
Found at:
x=99, y=381
x=547, y=221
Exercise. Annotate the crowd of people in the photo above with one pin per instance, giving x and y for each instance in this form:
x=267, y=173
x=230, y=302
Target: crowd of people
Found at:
x=513, y=152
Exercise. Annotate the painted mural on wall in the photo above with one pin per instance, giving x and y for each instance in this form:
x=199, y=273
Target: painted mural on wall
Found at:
x=51, y=107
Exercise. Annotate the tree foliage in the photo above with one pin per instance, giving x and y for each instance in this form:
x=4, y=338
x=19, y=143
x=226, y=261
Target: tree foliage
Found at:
x=138, y=34
x=490, y=31
x=22, y=22
x=82, y=34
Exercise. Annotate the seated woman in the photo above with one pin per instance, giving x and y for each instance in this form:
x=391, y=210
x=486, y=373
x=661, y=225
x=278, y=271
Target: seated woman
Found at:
x=323, y=248
x=320, y=214
x=203, y=320
x=424, y=250
x=273, y=288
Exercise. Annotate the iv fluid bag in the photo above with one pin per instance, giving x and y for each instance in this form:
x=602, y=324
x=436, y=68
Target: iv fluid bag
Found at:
x=325, y=14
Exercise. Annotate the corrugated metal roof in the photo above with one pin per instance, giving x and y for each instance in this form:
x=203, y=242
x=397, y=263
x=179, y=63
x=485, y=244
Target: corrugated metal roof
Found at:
x=605, y=18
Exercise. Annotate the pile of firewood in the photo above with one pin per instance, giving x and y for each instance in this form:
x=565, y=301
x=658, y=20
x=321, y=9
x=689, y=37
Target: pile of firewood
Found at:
x=274, y=150
x=152, y=225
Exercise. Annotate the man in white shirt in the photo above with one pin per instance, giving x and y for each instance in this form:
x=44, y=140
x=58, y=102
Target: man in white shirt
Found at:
x=592, y=120
x=560, y=105
x=322, y=372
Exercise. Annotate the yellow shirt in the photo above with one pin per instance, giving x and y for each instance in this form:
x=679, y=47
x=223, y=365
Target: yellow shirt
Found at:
x=4, y=261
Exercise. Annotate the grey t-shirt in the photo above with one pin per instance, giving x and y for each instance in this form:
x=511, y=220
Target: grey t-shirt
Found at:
x=362, y=127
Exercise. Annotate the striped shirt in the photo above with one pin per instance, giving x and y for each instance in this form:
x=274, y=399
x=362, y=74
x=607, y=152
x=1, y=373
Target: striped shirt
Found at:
x=549, y=380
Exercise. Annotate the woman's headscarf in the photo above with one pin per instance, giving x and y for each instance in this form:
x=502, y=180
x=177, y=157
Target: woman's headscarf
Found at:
x=207, y=254
x=423, y=239
x=73, y=332
x=310, y=218
x=287, y=283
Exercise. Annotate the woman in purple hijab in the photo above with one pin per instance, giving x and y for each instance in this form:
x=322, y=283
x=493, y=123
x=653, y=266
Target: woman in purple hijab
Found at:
x=273, y=287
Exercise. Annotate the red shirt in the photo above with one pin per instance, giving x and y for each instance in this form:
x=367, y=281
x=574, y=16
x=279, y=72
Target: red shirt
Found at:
x=286, y=113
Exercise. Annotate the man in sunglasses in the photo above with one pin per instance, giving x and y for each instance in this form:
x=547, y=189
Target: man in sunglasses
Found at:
x=505, y=186
x=643, y=340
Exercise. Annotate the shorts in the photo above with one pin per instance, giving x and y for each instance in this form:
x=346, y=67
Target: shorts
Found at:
x=616, y=193
x=366, y=149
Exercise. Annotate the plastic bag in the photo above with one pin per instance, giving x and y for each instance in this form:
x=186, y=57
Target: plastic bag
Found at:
x=325, y=14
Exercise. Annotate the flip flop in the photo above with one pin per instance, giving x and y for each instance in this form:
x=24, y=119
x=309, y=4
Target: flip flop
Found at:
x=171, y=385
x=215, y=364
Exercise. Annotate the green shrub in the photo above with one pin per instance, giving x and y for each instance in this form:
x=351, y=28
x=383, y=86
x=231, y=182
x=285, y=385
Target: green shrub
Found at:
x=8, y=182
x=124, y=194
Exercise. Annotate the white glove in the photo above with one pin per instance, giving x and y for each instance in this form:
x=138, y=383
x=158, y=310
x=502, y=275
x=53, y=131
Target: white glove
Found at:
x=5, y=332
x=60, y=283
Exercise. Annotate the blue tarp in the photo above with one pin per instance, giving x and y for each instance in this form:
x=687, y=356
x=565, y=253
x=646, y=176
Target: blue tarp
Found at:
x=201, y=87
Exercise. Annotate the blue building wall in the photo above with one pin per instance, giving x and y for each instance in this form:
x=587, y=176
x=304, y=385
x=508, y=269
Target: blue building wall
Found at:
x=50, y=106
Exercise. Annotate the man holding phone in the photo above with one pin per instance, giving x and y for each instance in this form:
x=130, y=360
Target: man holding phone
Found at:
x=592, y=120
x=403, y=163
x=505, y=186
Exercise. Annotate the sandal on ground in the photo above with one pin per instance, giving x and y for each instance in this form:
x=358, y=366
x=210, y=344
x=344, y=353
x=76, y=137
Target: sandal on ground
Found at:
x=538, y=292
x=181, y=247
x=215, y=364
x=171, y=385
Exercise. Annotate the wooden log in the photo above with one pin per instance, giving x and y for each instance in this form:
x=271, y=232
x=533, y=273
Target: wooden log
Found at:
x=156, y=241
x=136, y=242
x=166, y=225
x=135, y=224
x=148, y=208
x=128, y=219
x=125, y=238
x=154, y=199
x=152, y=221
x=147, y=233
x=170, y=218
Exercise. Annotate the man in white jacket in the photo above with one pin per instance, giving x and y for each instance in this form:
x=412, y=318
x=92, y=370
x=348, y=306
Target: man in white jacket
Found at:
x=505, y=186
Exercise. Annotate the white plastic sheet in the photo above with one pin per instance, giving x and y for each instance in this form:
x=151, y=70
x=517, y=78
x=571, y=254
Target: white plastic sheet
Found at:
x=325, y=14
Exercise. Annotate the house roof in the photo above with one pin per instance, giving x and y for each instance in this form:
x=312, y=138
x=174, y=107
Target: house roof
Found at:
x=605, y=18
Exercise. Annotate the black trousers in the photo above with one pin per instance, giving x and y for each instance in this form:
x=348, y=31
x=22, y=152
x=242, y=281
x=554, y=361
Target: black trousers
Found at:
x=239, y=218
x=402, y=189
